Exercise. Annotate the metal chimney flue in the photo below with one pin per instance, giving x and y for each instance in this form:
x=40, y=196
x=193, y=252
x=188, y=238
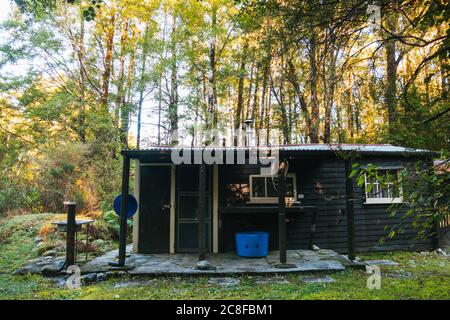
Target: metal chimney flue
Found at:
x=249, y=133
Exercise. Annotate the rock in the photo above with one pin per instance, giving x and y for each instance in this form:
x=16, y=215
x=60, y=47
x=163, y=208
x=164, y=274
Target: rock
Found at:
x=49, y=246
x=60, y=246
x=272, y=280
x=37, y=240
x=381, y=263
x=101, y=277
x=89, y=278
x=60, y=282
x=224, y=282
x=204, y=265
x=150, y=282
x=400, y=275
x=322, y=265
x=315, y=248
x=52, y=269
x=326, y=279
x=49, y=253
x=127, y=284
x=441, y=252
x=112, y=274
x=34, y=260
x=44, y=246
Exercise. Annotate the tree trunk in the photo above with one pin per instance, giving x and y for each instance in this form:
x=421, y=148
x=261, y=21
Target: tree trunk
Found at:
x=142, y=86
x=173, y=99
x=107, y=63
x=331, y=83
x=212, y=92
x=315, y=121
x=240, y=99
x=120, y=98
x=248, y=113
x=281, y=104
x=263, y=112
x=301, y=98
x=391, y=75
x=82, y=115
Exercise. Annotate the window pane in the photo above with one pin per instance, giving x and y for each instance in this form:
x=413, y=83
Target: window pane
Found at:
x=188, y=207
x=385, y=187
x=258, y=187
x=272, y=188
x=188, y=235
x=188, y=178
x=271, y=183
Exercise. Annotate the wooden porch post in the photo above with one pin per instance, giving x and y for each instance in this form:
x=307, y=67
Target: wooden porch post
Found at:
x=282, y=212
x=71, y=229
x=282, y=216
x=350, y=210
x=201, y=213
x=123, y=210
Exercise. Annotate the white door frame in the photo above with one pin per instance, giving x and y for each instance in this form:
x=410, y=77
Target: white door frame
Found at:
x=172, y=205
x=215, y=208
x=137, y=185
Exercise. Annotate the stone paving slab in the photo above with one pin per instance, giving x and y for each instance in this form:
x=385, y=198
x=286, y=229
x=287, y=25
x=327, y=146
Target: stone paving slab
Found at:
x=326, y=279
x=381, y=263
x=224, y=263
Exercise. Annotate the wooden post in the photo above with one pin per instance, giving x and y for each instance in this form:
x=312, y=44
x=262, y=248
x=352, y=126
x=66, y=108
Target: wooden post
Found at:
x=123, y=210
x=350, y=210
x=313, y=229
x=282, y=212
x=201, y=213
x=71, y=229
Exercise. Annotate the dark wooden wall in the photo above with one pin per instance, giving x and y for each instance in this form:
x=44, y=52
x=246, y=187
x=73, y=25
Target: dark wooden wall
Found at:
x=322, y=182
x=371, y=219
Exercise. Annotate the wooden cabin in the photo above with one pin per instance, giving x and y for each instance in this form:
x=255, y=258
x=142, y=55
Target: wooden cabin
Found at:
x=321, y=206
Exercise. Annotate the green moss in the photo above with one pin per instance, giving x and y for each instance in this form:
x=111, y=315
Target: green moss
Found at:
x=17, y=239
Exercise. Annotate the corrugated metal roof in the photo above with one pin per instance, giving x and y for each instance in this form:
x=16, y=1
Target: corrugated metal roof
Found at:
x=359, y=148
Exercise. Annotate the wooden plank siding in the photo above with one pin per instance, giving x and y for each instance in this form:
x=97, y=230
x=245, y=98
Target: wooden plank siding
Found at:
x=374, y=218
x=322, y=182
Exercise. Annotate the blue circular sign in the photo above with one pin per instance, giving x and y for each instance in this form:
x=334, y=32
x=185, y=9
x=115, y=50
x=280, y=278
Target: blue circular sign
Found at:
x=131, y=207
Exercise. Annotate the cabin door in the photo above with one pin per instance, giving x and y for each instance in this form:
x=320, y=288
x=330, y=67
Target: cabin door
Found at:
x=154, y=209
x=187, y=224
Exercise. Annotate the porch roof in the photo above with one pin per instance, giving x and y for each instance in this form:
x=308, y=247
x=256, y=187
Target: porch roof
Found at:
x=305, y=149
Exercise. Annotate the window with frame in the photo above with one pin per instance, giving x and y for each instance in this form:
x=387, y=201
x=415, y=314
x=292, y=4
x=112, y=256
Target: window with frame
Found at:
x=383, y=187
x=264, y=189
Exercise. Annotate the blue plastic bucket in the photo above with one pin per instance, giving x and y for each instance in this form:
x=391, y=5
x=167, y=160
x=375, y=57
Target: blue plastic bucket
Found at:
x=252, y=244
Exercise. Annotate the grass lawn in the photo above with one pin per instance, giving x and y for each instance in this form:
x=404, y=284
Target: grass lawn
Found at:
x=419, y=276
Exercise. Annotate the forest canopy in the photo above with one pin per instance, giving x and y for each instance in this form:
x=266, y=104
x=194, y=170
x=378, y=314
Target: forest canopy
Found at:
x=81, y=80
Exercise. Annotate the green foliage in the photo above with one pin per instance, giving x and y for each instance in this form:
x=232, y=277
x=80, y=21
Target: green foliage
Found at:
x=15, y=195
x=425, y=191
x=112, y=219
x=74, y=71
